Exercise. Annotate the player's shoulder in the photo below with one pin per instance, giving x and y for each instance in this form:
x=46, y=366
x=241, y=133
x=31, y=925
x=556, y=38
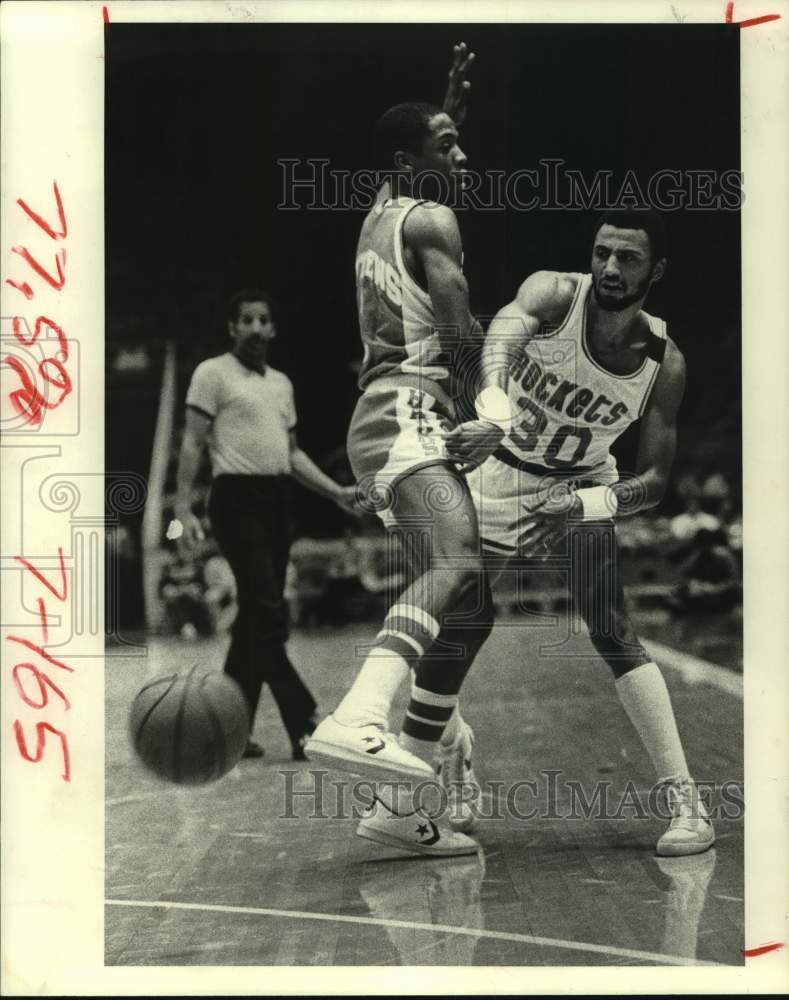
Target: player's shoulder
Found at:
x=278, y=378
x=673, y=360
x=429, y=221
x=548, y=294
x=669, y=386
x=217, y=364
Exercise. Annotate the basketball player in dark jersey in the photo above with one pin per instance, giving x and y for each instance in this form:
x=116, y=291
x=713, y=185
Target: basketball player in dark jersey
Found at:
x=414, y=315
x=566, y=367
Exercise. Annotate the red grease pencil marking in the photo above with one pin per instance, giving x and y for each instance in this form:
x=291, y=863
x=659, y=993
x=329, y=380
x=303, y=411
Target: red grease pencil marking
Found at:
x=762, y=949
x=750, y=21
x=105, y=15
x=759, y=20
x=42, y=612
x=54, y=234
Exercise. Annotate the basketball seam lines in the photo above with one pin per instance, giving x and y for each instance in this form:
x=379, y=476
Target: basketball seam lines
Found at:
x=219, y=734
x=149, y=713
x=178, y=726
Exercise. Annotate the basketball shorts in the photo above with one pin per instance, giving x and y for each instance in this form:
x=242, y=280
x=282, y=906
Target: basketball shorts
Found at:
x=586, y=562
x=398, y=426
x=505, y=490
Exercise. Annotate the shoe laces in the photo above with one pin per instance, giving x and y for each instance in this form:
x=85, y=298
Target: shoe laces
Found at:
x=684, y=801
x=452, y=761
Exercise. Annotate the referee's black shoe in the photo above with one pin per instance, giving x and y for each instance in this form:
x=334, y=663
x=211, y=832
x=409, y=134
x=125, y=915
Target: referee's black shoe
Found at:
x=298, y=745
x=253, y=750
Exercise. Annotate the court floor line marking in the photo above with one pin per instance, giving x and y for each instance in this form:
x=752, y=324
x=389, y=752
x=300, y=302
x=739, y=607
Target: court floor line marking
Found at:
x=647, y=956
x=693, y=669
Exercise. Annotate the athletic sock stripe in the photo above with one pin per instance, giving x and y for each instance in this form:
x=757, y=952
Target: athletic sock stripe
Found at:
x=427, y=722
x=393, y=644
x=426, y=711
x=417, y=615
x=421, y=730
x=417, y=648
x=397, y=623
x=433, y=697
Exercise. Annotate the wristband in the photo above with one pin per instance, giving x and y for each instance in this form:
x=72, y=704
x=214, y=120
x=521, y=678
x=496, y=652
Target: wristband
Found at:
x=493, y=404
x=599, y=503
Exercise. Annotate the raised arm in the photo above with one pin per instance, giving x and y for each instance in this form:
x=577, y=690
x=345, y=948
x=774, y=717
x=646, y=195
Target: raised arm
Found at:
x=458, y=87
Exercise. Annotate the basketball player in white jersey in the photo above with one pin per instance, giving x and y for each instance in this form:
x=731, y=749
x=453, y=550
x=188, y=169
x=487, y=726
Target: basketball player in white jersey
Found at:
x=566, y=367
x=414, y=316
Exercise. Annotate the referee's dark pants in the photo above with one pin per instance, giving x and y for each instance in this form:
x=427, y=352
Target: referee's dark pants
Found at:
x=250, y=520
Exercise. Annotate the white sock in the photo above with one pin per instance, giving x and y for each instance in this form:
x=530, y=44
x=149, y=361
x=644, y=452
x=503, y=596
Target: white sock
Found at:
x=645, y=698
x=371, y=694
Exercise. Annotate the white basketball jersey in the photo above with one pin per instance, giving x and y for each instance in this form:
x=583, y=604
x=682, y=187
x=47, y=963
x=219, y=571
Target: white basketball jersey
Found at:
x=571, y=408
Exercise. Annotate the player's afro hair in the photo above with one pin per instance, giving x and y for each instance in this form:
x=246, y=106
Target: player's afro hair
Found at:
x=638, y=218
x=405, y=126
x=248, y=295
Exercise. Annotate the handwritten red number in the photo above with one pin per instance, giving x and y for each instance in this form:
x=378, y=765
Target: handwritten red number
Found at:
x=24, y=288
x=43, y=680
x=28, y=401
x=41, y=730
x=41, y=652
x=42, y=322
x=60, y=263
x=42, y=579
x=54, y=234
x=63, y=383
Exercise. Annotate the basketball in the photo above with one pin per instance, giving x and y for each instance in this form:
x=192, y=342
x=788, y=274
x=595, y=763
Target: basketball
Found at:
x=190, y=728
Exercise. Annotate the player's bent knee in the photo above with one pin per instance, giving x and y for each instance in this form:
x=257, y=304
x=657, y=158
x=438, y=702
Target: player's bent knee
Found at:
x=463, y=581
x=621, y=655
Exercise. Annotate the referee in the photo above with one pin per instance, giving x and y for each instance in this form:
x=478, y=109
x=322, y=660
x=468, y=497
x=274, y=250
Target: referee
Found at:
x=244, y=410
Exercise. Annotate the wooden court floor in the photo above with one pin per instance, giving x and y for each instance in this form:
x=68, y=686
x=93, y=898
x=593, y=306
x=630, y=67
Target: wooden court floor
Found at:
x=248, y=872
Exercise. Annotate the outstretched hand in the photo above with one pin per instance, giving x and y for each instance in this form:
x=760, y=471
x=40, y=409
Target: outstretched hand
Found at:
x=458, y=87
x=472, y=442
x=540, y=530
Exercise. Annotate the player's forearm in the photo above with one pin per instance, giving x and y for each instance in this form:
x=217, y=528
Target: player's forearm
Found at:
x=307, y=473
x=504, y=344
x=454, y=321
x=629, y=496
x=637, y=493
x=188, y=465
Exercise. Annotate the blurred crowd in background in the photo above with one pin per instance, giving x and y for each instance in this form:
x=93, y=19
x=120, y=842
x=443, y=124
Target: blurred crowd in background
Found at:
x=687, y=560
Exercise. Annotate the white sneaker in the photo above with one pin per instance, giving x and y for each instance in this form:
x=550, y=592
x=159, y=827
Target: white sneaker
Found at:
x=690, y=830
x=364, y=750
x=454, y=768
x=414, y=831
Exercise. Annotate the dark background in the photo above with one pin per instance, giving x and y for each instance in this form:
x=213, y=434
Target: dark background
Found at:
x=197, y=115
